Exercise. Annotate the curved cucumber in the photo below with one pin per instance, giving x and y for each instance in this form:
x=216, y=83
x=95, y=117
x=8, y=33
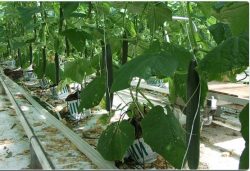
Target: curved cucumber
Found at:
x=193, y=112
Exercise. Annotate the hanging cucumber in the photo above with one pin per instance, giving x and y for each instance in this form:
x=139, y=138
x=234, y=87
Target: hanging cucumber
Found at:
x=31, y=54
x=57, y=68
x=90, y=6
x=102, y=60
x=193, y=116
x=124, y=48
x=44, y=60
x=106, y=67
x=35, y=34
x=67, y=47
x=109, y=95
x=8, y=48
x=19, y=57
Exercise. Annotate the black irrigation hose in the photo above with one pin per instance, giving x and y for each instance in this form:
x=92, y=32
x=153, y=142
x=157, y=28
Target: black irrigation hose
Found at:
x=31, y=129
x=246, y=75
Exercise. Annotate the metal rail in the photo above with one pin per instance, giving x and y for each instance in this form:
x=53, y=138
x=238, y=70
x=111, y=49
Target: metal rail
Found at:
x=228, y=98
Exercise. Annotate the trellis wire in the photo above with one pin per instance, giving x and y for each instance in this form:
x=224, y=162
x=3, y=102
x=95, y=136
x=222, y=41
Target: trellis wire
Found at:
x=199, y=85
x=106, y=62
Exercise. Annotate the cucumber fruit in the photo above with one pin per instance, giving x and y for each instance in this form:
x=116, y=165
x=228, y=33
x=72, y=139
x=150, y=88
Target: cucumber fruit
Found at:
x=193, y=106
x=44, y=60
x=31, y=54
x=57, y=68
x=109, y=95
x=124, y=49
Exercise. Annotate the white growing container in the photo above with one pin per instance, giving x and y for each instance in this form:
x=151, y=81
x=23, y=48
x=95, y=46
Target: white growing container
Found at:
x=61, y=94
x=29, y=76
x=142, y=152
x=12, y=64
x=43, y=83
x=73, y=110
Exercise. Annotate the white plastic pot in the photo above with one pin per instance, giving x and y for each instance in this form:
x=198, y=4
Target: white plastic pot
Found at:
x=73, y=110
x=142, y=152
x=62, y=94
x=10, y=64
x=43, y=83
x=29, y=76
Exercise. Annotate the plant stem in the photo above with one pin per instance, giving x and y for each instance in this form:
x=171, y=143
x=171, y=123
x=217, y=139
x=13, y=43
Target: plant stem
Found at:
x=143, y=95
x=136, y=102
x=191, y=25
x=137, y=89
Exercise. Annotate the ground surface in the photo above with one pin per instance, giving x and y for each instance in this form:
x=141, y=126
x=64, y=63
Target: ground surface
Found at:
x=220, y=148
x=14, y=144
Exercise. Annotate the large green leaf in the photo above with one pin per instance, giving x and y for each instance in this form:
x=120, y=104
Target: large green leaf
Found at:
x=244, y=120
x=177, y=87
x=237, y=15
x=161, y=60
x=132, y=7
x=38, y=68
x=51, y=72
x=165, y=135
x=77, y=38
x=18, y=44
x=26, y=13
x=220, y=32
x=206, y=8
x=157, y=15
x=76, y=70
x=93, y=93
x=115, y=140
x=69, y=8
x=232, y=54
x=103, y=8
x=136, y=7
